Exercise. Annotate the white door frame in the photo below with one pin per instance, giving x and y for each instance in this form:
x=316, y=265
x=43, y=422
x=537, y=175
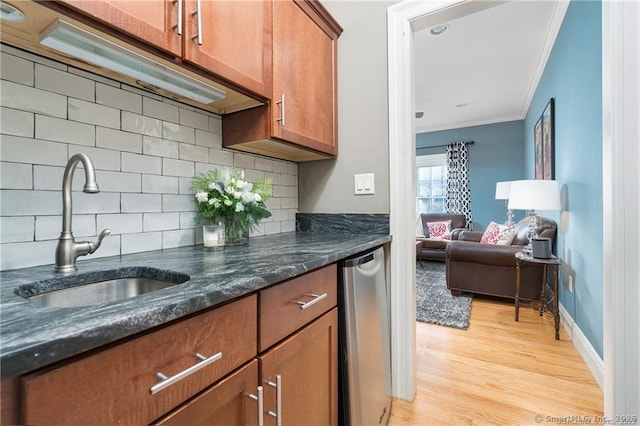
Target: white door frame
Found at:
x=620, y=139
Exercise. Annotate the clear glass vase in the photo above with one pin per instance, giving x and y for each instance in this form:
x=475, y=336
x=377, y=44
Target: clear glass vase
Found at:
x=213, y=236
x=236, y=231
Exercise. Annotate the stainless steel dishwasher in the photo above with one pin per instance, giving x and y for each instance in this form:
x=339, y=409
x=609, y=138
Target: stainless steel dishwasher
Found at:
x=365, y=353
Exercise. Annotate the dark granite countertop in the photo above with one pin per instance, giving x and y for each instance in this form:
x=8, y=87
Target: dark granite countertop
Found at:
x=32, y=337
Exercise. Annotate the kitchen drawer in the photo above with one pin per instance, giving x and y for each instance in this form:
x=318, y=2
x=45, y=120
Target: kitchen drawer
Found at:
x=229, y=402
x=286, y=307
x=114, y=386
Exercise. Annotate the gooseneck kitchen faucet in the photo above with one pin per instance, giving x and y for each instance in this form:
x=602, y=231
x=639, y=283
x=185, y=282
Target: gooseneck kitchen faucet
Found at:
x=68, y=249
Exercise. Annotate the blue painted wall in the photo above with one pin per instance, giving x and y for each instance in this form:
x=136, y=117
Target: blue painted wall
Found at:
x=573, y=77
x=497, y=155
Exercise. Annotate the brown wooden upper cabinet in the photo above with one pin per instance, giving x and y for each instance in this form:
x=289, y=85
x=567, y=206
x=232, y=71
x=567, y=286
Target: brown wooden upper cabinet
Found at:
x=300, y=121
x=231, y=39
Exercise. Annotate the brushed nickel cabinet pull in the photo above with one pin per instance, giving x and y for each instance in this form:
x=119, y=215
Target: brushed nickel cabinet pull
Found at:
x=198, y=14
x=316, y=299
x=278, y=386
x=260, y=399
x=165, y=381
x=178, y=25
x=282, y=107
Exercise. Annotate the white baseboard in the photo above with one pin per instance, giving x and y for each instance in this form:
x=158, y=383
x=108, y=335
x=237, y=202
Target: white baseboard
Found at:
x=584, y=347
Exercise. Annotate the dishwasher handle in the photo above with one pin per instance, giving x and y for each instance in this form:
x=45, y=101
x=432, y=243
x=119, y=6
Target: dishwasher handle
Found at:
x=361, y=260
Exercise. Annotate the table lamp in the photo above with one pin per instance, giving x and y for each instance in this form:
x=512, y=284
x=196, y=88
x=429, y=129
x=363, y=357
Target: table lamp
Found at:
x=534, y=195
x=502, y=193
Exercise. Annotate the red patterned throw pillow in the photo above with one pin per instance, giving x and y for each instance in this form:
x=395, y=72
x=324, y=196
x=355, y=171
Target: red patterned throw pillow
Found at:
x=440, y=229
x=497, y=234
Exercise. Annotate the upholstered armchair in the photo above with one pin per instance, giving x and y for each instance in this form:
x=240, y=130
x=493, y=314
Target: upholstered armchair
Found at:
x=490, y=269
x=433, y=247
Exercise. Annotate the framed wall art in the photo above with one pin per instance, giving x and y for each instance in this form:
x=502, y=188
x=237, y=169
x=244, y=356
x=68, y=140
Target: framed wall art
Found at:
x=544, y=143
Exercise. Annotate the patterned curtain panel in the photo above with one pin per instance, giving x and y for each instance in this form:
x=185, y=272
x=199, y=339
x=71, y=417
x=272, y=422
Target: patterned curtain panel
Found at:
x=458, y=184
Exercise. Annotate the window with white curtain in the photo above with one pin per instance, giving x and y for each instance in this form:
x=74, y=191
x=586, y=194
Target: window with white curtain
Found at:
x=431, y=183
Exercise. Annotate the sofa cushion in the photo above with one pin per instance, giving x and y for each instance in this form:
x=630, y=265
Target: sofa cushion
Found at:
x=439, y=229
x=434, y=243
x=497, y=234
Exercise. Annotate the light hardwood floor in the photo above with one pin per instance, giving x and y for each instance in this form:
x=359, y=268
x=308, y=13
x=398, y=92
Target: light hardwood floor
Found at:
x=498, y=371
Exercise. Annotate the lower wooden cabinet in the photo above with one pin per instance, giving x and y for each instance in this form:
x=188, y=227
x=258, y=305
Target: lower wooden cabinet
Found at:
x=306, y=368
x=233, y=401
x=209, y=368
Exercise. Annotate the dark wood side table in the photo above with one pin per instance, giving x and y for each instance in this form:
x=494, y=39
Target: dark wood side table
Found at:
x=554, y=262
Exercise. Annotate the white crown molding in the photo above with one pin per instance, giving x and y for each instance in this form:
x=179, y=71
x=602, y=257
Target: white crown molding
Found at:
x=472, y=123
x=552, y=33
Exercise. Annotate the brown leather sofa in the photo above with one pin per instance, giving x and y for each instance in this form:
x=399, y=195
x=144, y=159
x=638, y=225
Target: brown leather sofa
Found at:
x=434, y=248
x=491, y=269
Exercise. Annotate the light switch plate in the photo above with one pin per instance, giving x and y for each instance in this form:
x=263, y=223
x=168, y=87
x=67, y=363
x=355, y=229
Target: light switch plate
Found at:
x=364, y=184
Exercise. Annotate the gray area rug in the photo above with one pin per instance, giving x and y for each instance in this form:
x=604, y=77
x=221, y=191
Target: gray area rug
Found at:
x=434, y=302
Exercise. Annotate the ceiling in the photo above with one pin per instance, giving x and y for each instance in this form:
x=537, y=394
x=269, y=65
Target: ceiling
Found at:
x=485, y=67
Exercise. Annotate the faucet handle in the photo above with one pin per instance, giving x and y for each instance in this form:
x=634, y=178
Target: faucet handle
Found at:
x=94, y=246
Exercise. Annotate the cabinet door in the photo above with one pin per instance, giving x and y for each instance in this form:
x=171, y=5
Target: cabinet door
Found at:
x=154, y=22
x=304, y=78
x=114, y=386
x=236, y=40
x=307, y=364
x=230, y=402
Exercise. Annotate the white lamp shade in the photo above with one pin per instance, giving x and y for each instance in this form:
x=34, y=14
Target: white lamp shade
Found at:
x=534, y=195
x=502, y=190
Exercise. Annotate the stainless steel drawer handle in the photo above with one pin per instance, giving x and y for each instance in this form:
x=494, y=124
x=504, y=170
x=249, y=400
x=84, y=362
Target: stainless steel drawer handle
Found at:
x=278, y=386
x=178, y=25
x=260, y=400
x=165, y=381
x=282, y=108
x=198, y=14
x=316, y=299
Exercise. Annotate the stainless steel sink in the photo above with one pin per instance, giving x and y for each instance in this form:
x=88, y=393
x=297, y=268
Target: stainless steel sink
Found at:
x=97, y=288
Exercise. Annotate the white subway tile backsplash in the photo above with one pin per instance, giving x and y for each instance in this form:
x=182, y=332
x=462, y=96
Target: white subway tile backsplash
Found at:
x=50, y=227
x=61, y=130
x=160, y=184
x=29, y=203
x=159, y=147
x=178, y=203
x=16, y=122
x=208, y=139
x=118, y=98
x=158, y=109
x=120, y=223
x=221, y=157
x=193, y=119
x=16, y=229
x=178, y=133
x=118, y=140
x=119, y=181
x=146, y=241
x=146, y=149
x=243, y=161
x=16, y=176
x=64, y=83
x=161, y=221
x=30, y=99
x=102, y=159
x=50, y=178
x=215, y=125
x=140, y=203
x=171, y=167
x=189, y=220
x=88, y=112
x=102, y=202
x=193, y=152
x=179, y=238
x=24, y=255
x=16, y=69
x=137, y=123
x=141, y=163
x=32, y=151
